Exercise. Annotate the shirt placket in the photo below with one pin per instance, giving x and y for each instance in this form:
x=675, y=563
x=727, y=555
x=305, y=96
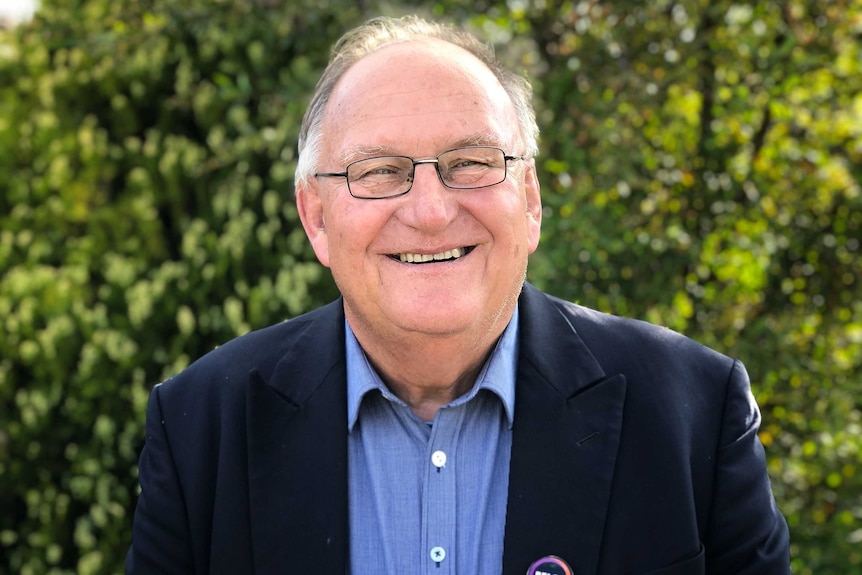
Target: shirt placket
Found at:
x=439, y=493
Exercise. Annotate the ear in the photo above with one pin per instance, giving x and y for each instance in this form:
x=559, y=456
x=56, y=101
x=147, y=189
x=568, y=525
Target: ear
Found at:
x=309, y=204
x=534, y=206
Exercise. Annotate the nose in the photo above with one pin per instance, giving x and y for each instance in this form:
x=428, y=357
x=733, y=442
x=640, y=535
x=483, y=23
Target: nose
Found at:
x=429, y=206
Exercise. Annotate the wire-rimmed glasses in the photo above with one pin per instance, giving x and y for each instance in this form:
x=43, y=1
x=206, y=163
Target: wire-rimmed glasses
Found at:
x=465, y=168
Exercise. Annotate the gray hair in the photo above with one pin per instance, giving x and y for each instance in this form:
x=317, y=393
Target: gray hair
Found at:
x=383, y=31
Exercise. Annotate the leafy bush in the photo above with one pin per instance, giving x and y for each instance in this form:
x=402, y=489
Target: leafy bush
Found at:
x=147, y=215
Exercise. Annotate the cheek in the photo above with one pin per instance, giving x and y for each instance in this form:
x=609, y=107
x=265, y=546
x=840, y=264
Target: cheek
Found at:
x=351, y=231
x=516, y=250
x=341, y=237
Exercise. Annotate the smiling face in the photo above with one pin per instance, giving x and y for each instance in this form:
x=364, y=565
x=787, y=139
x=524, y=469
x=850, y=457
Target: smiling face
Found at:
x=436, y=261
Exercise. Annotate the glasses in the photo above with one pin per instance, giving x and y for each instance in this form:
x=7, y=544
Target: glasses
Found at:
x=459, y=169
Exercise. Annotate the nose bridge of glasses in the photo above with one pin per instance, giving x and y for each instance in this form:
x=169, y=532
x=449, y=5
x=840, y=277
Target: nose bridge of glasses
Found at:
x=434, y=161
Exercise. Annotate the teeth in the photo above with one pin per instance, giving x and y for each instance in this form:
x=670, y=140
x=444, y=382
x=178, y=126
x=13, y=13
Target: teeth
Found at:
x=421, y=258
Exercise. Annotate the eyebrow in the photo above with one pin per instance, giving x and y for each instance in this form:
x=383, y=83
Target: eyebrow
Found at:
x=360, y=152
x=481, y=139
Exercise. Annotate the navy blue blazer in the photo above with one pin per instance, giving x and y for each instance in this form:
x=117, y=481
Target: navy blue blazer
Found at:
x=635, y=451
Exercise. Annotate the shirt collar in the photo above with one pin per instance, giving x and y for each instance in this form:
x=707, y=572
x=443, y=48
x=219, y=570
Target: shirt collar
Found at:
x=498, y=374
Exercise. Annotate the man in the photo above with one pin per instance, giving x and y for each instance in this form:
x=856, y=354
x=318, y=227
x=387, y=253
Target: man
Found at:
x=442, y=416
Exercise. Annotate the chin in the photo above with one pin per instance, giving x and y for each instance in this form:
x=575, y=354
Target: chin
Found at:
x=436, y=323
x=448, y=316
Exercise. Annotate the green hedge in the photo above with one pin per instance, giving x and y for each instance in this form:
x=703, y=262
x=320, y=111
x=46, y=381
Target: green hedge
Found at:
x=700, y=168
x=146, y=198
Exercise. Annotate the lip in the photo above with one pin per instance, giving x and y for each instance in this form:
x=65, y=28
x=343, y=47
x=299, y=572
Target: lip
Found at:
x=424, y=257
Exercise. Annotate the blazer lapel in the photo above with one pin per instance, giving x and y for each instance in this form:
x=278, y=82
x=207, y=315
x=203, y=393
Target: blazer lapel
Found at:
x=297, y=452
x=568, y=415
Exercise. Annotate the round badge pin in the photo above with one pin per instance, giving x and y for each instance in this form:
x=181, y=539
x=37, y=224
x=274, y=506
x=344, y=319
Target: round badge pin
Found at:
x=550, y=565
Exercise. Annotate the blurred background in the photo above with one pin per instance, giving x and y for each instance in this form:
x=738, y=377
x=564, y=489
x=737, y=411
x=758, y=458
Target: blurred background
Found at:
x=701, y=167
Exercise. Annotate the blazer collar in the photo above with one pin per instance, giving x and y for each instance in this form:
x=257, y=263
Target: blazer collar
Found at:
x=568, y=416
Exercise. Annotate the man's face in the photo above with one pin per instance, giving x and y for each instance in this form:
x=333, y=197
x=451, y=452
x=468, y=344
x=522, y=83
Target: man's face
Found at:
x=418, y=100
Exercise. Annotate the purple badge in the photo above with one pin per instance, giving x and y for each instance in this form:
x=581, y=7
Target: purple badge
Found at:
x=550, y=565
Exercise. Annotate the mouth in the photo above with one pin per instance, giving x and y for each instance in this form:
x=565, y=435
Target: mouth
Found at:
x=447, y=256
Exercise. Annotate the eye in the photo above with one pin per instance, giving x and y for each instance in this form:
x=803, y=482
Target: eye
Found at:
x=470, y=160
x=378, y=168
x=383, y=171
x=467, y=163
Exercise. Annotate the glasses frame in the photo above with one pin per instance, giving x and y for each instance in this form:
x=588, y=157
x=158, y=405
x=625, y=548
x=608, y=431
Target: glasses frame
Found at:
x=412, y=176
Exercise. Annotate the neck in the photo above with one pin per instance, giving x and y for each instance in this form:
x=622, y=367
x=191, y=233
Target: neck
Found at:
x=427, y=371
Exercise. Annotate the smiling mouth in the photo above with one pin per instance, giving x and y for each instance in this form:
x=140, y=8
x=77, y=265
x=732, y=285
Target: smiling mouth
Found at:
x=447, y=256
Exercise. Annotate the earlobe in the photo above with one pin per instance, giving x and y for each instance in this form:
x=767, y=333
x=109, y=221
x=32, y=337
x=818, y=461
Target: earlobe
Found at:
x=309, y=204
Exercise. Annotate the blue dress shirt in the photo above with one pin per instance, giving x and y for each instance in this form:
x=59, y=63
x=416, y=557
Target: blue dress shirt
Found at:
x=430, y=498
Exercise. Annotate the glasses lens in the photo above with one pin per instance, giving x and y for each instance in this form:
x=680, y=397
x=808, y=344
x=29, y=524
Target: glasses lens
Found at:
x=475, y=167
x=379, y=177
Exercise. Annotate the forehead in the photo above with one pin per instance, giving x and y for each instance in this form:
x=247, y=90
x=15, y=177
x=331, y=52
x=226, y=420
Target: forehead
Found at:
x=417, y=98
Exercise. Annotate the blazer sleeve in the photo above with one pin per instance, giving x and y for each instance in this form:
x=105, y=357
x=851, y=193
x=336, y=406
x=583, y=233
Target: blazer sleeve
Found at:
x=160, y=531
x=747, y=535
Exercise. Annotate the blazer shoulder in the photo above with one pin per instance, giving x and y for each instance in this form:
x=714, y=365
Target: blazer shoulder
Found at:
x=229, y=365
x=625, y=341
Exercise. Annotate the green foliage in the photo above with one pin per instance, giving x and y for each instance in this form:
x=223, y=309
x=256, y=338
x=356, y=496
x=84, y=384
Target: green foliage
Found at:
x=146, y=209
x=700, y=168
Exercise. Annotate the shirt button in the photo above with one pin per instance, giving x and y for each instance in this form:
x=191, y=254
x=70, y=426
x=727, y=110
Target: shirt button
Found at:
x=438, y=554
x=438, y=458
